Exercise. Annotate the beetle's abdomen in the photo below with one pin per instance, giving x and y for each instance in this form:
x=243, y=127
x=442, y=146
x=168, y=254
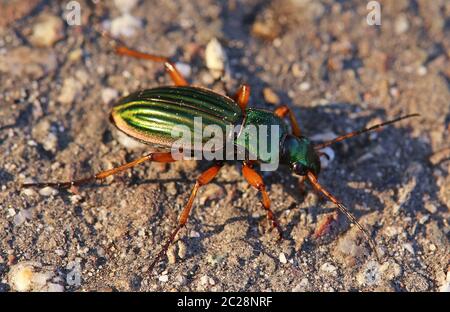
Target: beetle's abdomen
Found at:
x=151, y=115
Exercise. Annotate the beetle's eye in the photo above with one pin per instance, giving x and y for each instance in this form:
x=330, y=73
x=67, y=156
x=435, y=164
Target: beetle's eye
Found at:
x=299, y=169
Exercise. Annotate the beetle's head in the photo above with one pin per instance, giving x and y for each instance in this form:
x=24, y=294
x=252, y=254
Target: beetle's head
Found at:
x=299, y=154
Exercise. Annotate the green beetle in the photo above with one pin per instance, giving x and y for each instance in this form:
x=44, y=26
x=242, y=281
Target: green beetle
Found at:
x=151, y=115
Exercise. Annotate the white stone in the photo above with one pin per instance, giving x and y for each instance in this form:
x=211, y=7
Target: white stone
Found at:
x=216, y=58
x=124, y=25
x=48, y=191
x=32, y=276
x=282, y=258
x=304, y=86
x=125, y=6
x=109, y=95
x=409, y=247
x=328, y=268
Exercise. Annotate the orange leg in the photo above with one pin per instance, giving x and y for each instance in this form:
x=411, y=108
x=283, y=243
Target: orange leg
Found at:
x=318, y=187
x=242, y=96
x=282, y=111
x=203, y=179
x=255, y=180
x=175, y=75
x=158, y=157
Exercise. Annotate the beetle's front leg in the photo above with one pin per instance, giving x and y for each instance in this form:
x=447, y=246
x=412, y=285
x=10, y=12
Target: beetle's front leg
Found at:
x=206, y=177
x=255, y=180
x=282, y=112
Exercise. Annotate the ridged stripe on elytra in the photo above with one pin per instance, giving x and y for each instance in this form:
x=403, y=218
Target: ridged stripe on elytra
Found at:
x=150, y=115
x=194, y=97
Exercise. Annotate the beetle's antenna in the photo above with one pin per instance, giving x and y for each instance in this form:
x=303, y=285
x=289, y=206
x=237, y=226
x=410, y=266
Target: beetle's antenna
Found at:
x=313, y=180
x=358, y=132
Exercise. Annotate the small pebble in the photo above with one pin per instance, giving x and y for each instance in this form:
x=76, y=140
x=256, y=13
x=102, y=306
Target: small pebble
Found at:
x=391, y=270
x=11, y=212
x=216, y=58
x=28, y=192
x=48, y=191
x=430, y=206
x=32, y=276
x=282, y=258
x=171, y=188
x=182, y=249
x=401, y=24
x=302, y=286
x=297, y=71
x=409, y=247
x=328, y=268
x=163, y=278
x=181, y=280
x=22, y=216
x=422, y=71
x=370, y=274
x=124, y=25
x=204, y=280
x=194, y=234
x=109, y=95
x=270, y=96
x=171, y=255
x=125, y=6
x=47, y=31
x=304, y=86
x=70, y=90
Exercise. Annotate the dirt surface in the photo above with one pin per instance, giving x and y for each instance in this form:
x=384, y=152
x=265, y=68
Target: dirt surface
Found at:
x=58, y=83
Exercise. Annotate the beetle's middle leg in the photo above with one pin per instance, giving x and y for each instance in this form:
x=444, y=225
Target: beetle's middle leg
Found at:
x=255, y=180
x=206, y=177
x=282, y=112
x=164, y=157
x=242, y=96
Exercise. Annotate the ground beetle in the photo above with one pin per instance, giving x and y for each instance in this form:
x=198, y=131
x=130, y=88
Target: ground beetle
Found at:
x=148, y=116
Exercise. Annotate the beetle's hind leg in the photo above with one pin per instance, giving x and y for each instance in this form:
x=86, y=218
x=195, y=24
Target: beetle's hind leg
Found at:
x=164, y=157
x=255, y=180
x=206, y=177
x=121, y=49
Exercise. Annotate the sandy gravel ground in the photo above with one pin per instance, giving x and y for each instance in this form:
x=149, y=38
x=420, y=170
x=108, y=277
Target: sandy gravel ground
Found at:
x=58, y=83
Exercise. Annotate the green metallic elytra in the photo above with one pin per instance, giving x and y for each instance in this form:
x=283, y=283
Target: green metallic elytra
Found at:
x=151, y=115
